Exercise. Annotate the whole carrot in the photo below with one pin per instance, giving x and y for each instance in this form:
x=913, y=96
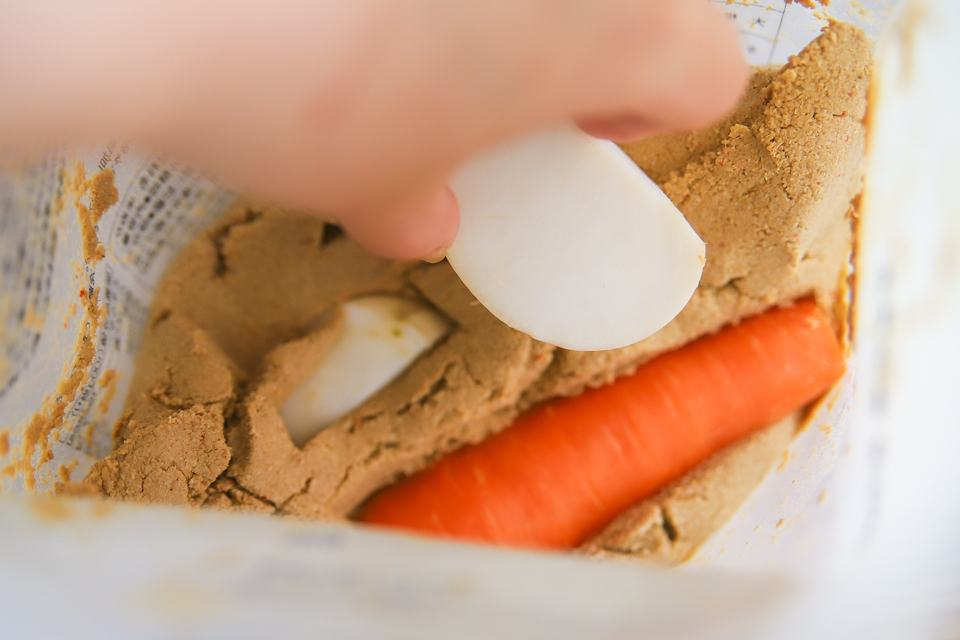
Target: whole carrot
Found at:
x=565, y=469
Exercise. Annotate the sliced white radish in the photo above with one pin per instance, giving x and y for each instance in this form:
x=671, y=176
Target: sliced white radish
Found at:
x=563, y=237
x=381, y=336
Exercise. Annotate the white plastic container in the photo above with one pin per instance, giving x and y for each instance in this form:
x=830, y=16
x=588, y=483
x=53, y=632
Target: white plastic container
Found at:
x=127, y=571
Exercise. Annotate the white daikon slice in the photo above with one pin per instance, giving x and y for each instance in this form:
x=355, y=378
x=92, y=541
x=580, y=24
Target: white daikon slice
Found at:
x=563, y=237
x=381, y=336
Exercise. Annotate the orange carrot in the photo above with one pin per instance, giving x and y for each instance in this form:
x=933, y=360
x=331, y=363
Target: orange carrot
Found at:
x=567, y=468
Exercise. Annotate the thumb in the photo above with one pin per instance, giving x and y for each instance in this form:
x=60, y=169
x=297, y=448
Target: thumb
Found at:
x=418, y=227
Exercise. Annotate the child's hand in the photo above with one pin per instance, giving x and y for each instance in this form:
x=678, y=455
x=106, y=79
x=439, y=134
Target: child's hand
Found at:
x=358, y=109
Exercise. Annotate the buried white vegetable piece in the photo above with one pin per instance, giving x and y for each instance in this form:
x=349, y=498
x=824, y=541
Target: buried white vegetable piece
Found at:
x=381, y=336
x=563, y=237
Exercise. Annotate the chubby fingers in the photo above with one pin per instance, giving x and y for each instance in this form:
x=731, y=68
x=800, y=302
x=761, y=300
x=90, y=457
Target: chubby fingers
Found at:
x=621, y=69
x=679, y=68
x=421, y=226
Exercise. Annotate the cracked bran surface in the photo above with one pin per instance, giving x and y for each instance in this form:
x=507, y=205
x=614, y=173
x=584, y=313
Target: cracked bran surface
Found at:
x=248, y=310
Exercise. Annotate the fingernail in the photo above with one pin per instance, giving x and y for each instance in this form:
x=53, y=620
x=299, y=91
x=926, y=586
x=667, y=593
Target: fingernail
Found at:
x=436, y=256
x=618, y=129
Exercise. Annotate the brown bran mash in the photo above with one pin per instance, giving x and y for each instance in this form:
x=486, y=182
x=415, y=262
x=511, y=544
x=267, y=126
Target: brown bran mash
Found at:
x=249, y=308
